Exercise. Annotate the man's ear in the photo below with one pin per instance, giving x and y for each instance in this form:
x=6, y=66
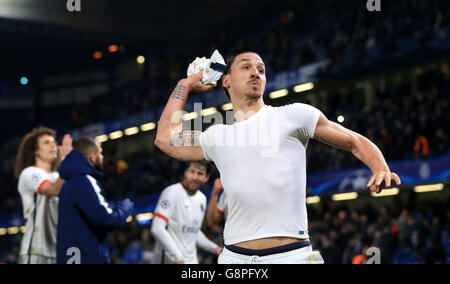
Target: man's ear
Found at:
x=91, y=157
x=225, y=81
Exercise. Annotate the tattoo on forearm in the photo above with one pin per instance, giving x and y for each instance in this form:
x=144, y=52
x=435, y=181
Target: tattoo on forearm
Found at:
x=178, y=93
x=185, y=138
x=321, y=139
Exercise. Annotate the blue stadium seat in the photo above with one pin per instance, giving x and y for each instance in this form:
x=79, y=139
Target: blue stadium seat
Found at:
x=133, y=253
x=404, y=256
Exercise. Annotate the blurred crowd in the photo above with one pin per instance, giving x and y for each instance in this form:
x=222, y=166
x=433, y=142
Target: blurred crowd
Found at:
x=398, y=119
x=286, y=36
x=402, y=235
x=343, y=236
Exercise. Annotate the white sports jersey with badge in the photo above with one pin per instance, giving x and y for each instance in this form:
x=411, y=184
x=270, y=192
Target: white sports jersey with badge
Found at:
x=41, y=212
x=262, y=165
x=184, y=215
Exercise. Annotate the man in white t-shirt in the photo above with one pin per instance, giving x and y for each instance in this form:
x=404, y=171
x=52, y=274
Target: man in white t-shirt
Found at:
x=39, y=185
x=178, y=218
x=262, y=162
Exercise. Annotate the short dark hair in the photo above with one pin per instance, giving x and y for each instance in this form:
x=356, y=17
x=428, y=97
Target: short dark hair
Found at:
x=204, y=163
x=227, y=70
x=85, y=145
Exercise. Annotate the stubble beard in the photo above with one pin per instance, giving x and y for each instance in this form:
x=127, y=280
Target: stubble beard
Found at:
x=98, y=166
x=253, y=95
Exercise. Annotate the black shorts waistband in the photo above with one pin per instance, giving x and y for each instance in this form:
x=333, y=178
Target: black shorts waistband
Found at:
x=269, y=251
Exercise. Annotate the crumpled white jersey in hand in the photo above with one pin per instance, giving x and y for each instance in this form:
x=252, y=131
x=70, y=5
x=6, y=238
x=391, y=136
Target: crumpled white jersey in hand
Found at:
x=212, y=68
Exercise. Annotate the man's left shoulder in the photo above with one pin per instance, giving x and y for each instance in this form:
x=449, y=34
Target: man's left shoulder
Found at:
x=201, y=200
x=200, y=196
x=86, y=181
x=294, y=107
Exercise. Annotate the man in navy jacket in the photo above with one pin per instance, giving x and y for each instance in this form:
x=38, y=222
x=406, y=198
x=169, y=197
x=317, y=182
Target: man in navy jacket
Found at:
x=85, y=218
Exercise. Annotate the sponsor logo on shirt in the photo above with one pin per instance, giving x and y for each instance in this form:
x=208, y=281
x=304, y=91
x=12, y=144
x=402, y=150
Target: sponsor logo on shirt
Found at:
x=189, y=230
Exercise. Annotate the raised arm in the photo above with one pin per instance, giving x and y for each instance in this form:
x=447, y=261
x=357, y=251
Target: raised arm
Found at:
x=213, y=217
x=170, y=137
x=362, y=148
x=53, y=188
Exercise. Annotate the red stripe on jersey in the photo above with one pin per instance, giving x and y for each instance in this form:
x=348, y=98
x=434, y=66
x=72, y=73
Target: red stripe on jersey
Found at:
x=40, y=186
x=161, y=216
x=221, y=212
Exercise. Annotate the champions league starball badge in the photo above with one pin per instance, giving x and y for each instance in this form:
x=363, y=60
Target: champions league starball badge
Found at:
x=165, y=204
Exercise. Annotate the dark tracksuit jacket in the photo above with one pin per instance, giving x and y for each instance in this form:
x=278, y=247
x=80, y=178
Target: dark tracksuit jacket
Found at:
x=84, y=217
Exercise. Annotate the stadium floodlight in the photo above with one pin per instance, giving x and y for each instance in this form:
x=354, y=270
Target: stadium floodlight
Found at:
x=429, y=187
x=144, y=217
x=189, y=116
x=386, y=192
x=344, y=196
x=131, y=131
x=140, y=59
x=303, y=87
x=24, y=81
x=2, y=231
x=278, y=94
x=97, y=55
x=113, y=48
x=340, y=119
x=312, y=199
x=148, y=126
x=101, y=138
x=12, y=230
x=115, y=135
x=226, y=107
x=209, y=111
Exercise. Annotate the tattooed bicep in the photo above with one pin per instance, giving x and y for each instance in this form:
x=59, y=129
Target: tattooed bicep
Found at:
x=185, y=138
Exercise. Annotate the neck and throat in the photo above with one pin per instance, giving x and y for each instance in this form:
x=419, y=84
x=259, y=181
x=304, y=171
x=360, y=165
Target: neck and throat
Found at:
x=247, y=107
x=44, y=165
x=188, y=190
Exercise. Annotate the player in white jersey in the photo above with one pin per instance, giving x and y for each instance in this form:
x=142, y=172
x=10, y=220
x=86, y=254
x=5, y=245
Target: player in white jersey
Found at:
x=39, y=185
x=262, y=162
x=178, y=218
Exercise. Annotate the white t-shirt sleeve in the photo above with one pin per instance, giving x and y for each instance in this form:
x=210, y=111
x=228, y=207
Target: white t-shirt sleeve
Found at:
x=304, y=117
x=32, y=179
x=166, y=204
x=161, y=234
x=207, y=143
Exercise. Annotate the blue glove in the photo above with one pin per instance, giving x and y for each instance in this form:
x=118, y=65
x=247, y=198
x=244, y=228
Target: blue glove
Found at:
x=128, y=206
x=125, y=209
